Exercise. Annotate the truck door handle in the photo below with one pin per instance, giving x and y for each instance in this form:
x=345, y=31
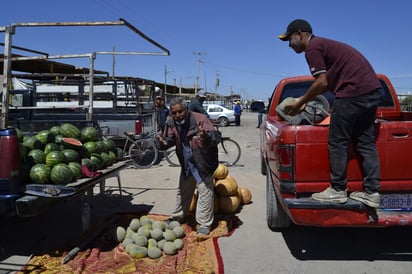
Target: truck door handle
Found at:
x=399, y=135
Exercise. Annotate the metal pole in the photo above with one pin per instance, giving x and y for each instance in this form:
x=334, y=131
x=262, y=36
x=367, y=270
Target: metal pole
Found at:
x=91, y=87
x=9, y=31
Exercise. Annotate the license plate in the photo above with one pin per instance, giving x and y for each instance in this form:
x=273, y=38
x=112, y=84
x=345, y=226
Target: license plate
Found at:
x=396, y=201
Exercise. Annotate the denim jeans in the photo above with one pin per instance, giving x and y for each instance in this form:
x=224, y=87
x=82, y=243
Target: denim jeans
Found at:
x=354, y=119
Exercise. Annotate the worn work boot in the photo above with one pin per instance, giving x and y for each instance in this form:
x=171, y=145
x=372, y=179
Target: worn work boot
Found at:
x=331, y=195
x=372, y=200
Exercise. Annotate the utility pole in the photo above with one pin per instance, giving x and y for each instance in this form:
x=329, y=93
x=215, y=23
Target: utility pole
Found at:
x=197, y=69
x=166, y=72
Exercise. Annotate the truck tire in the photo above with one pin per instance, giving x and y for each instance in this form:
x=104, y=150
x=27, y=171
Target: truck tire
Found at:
x=262, y=164
x=275, y=214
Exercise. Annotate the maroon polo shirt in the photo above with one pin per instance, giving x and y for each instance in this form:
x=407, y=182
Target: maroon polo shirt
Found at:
x=348, y=72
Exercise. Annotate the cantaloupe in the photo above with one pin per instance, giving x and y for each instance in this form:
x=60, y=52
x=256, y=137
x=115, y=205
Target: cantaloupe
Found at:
x=226, y=187
x=246, y=195
x=221, y=172
x=229, y=204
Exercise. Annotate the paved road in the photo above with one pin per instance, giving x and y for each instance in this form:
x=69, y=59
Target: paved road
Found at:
x=252, y=248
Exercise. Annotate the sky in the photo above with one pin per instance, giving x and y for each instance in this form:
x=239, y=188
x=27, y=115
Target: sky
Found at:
x=234, y=41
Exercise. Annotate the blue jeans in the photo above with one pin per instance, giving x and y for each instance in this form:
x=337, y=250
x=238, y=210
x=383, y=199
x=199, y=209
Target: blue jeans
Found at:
x=354, y=119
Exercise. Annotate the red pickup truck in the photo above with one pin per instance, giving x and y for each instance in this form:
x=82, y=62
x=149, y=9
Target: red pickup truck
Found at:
x=294, y=158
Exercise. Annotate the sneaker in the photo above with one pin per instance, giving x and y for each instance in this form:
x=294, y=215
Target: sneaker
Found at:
x=331, y=195
x=372, y=200
x=203, y=231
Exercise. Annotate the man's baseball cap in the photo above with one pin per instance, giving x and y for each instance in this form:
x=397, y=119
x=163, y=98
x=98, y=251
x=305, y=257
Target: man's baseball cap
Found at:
x=201, y=94
x=295, y=25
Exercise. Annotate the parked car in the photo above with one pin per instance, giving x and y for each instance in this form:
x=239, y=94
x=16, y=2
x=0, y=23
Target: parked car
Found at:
x=221, y=114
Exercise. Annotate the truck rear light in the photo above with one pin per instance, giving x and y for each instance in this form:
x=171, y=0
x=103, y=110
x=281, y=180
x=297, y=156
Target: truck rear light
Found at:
x=286, y=163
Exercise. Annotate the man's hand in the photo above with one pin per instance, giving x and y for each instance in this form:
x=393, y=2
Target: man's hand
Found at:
x=160, y=139
x=295, y=107
x=204, y=138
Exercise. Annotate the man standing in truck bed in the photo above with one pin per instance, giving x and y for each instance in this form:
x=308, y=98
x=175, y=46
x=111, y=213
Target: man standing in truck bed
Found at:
x=347, y=73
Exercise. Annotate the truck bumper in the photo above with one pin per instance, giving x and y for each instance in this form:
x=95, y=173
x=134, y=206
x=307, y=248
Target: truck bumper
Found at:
x=308, y=212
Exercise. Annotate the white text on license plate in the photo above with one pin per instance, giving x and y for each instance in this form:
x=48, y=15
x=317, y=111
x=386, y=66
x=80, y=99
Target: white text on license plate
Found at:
x=396, y=201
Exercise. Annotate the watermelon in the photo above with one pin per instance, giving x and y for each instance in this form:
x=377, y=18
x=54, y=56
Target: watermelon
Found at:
x=90, y=147
x=89, y=163
x=97, y=161
x=88, y=134
x=71, y=143
x=112, y=157
x=119, y=154
x=58, y=139
x=51, y=147
x=109, y=144
x=107, y=161
x=55, y=130
x=70, y=131
x=33, y=143
x=55, y=157
x=100, y=146
x=40, y=173
x=61, y=174
x=76, y=169
x=36, y=156
x=45, y=137
x=70, y=155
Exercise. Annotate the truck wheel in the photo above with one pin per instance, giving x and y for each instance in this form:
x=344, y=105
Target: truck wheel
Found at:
x=275, y=214
x=262, y=165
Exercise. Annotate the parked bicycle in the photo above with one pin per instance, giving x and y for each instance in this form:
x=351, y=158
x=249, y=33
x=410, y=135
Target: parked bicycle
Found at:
x=141, y=149
x=228, y=152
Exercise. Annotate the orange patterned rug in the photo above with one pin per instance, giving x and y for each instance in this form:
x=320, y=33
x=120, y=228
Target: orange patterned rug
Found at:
x=104, y=256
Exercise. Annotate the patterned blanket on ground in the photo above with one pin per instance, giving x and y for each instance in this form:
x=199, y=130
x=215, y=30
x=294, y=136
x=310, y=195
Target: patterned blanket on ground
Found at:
x=104, y=256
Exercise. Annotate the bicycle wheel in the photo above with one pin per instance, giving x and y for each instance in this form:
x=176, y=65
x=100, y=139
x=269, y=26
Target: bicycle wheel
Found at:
x=143, y=152
x=171, y=156
x=229, y=152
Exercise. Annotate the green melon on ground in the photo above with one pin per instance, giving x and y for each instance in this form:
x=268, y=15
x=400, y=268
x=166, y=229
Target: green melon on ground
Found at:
x=40, y=173
x=61, y=174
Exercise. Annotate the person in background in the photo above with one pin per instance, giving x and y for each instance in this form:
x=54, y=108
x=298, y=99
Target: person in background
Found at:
x=344, y=71
x=196, y=104
x=238, y=112
x=260, y=116
x=163, y=113
x=196, y=142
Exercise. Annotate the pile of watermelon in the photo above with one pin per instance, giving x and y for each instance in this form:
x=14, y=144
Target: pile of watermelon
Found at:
x=56, y=155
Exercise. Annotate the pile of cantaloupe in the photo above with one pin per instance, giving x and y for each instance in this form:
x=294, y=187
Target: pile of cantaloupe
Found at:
x=228, y=194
